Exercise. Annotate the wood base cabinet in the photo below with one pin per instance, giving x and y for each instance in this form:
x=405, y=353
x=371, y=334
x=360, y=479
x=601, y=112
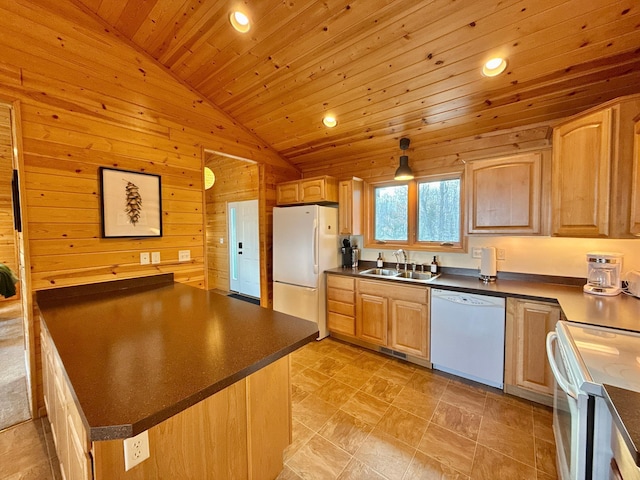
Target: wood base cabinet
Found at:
x=527, y=371
x=69, y=435
x=393, y=316
x=239, y=432
x=341, y=309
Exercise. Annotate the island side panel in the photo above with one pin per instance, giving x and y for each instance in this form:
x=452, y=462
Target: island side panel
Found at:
x=241, y=429
x=269, y=413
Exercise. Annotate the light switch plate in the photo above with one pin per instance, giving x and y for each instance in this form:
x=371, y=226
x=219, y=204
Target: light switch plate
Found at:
x=184, y=255
x=155, y=257
x=144, y=258
x=476, y=252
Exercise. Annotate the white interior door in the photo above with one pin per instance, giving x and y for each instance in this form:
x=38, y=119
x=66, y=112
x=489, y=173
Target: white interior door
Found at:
x=244, y=248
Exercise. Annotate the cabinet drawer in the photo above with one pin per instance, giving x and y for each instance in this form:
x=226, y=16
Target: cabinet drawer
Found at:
x=337, y=281
x=341, y=323
x=344, y=296
x=392, y=290
x=340, y=307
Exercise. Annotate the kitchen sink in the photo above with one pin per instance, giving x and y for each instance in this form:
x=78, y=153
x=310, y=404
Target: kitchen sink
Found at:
x=416, y=275
x=381, y=272
x=408, y=275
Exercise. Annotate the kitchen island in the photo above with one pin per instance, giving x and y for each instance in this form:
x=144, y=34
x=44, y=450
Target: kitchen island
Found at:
x=206, y=375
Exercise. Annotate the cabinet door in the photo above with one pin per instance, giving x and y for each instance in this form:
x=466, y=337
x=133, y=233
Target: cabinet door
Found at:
x=312, y=190
x=581, y=176
x=372, y=319
x=287, y=193
x=635, y=196
x=409, y=327
x=527, y=326
x=350, y=207
x=505, y=195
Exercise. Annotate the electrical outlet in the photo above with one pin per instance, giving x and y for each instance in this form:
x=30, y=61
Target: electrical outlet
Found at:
x=476, y=252
x=155, y=257
x=144, y=258
x=501, y=254
x=136, y=450
x=184, y=255
x=221, y=240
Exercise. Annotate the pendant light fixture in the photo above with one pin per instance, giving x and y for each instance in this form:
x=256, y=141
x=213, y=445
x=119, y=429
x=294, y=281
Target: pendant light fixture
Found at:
x=404, y=171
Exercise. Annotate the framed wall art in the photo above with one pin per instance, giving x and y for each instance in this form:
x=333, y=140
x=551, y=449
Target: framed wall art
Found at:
x=131, y=204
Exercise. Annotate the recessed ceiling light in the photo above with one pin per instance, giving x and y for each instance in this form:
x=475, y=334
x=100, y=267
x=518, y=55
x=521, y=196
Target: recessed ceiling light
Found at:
x=240, y=21
x=494, y=67
x=329, y=122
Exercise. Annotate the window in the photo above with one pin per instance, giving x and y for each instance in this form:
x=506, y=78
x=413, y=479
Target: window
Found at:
x=424, y=213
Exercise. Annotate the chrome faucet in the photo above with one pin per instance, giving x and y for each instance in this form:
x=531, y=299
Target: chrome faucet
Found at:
x=404, y=256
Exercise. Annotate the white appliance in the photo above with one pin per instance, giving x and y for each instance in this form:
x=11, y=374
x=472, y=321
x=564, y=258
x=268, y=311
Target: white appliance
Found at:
x=467, y=335
x=305, y=244
x=603, y=273
x=582, y=358
x=633, y=283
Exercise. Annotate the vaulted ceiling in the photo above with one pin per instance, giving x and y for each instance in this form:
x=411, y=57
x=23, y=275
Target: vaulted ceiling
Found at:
x=387, y=68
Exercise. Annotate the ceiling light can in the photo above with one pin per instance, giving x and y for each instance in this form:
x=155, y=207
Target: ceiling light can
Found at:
x=329, y=121
x=494, y=67
x=240, y=21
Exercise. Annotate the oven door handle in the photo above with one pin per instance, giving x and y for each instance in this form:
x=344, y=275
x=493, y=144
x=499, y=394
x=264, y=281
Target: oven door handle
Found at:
x=564, y=384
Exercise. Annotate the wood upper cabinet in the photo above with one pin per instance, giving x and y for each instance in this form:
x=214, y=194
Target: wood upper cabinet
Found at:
x=341, y=308
x=350, y=206
x=526, y=364
x=591, y=172
x=634, y=225
x=308, y=190
x=505, y=195
x=394, y=316
x=288, y=193
x=581, y=175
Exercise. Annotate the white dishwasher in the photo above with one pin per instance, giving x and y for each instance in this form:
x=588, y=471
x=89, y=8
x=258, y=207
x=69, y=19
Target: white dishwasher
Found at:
x=467, y=335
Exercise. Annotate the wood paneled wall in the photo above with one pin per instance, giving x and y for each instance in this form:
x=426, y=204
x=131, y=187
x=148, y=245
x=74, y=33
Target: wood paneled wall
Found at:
x=8, y=254
x=425, y=159
x=88, y=99
x=236, y=181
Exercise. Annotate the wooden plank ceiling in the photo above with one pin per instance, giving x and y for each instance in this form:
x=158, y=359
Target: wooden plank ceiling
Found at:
x=387, y=68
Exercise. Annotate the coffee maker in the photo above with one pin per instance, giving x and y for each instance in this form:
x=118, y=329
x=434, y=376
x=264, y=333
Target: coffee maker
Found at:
x=603, y=273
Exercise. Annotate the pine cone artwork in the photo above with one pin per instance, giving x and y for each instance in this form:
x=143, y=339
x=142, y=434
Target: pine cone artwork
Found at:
x=134, y=203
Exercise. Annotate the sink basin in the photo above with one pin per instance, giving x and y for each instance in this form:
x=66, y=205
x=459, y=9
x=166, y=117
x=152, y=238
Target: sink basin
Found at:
x=409, y=276
x=416, y=275
x=381, y=272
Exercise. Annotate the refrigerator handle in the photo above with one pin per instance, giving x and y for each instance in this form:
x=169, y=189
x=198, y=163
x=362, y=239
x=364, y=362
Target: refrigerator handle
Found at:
x=314, y=246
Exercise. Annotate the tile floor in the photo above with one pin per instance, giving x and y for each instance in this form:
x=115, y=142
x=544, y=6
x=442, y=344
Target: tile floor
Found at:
x=361, y=415
x=27, y=452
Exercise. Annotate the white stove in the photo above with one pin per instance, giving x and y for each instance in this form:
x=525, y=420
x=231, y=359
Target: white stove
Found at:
x=583, y=359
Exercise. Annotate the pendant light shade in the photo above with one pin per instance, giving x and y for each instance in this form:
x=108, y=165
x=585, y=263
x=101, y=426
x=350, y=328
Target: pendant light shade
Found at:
x=404, y=171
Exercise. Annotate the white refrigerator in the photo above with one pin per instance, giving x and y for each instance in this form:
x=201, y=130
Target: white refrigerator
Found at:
x=305, y=244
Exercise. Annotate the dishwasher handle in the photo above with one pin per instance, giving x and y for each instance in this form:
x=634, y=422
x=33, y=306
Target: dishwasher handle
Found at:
x=563, y=383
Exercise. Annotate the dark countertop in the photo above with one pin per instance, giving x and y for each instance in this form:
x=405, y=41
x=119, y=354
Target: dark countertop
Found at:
x=626, y=415
x=621, y=312
x=137, y=356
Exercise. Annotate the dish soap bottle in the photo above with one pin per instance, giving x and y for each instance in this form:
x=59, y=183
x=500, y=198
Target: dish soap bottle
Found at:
x=379, y=262
x=434, y=266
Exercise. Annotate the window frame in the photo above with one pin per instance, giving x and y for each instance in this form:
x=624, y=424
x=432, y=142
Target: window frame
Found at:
x=412, y=221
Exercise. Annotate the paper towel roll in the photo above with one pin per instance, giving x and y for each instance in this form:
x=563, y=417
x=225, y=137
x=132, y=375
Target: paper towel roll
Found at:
x=488, y=262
